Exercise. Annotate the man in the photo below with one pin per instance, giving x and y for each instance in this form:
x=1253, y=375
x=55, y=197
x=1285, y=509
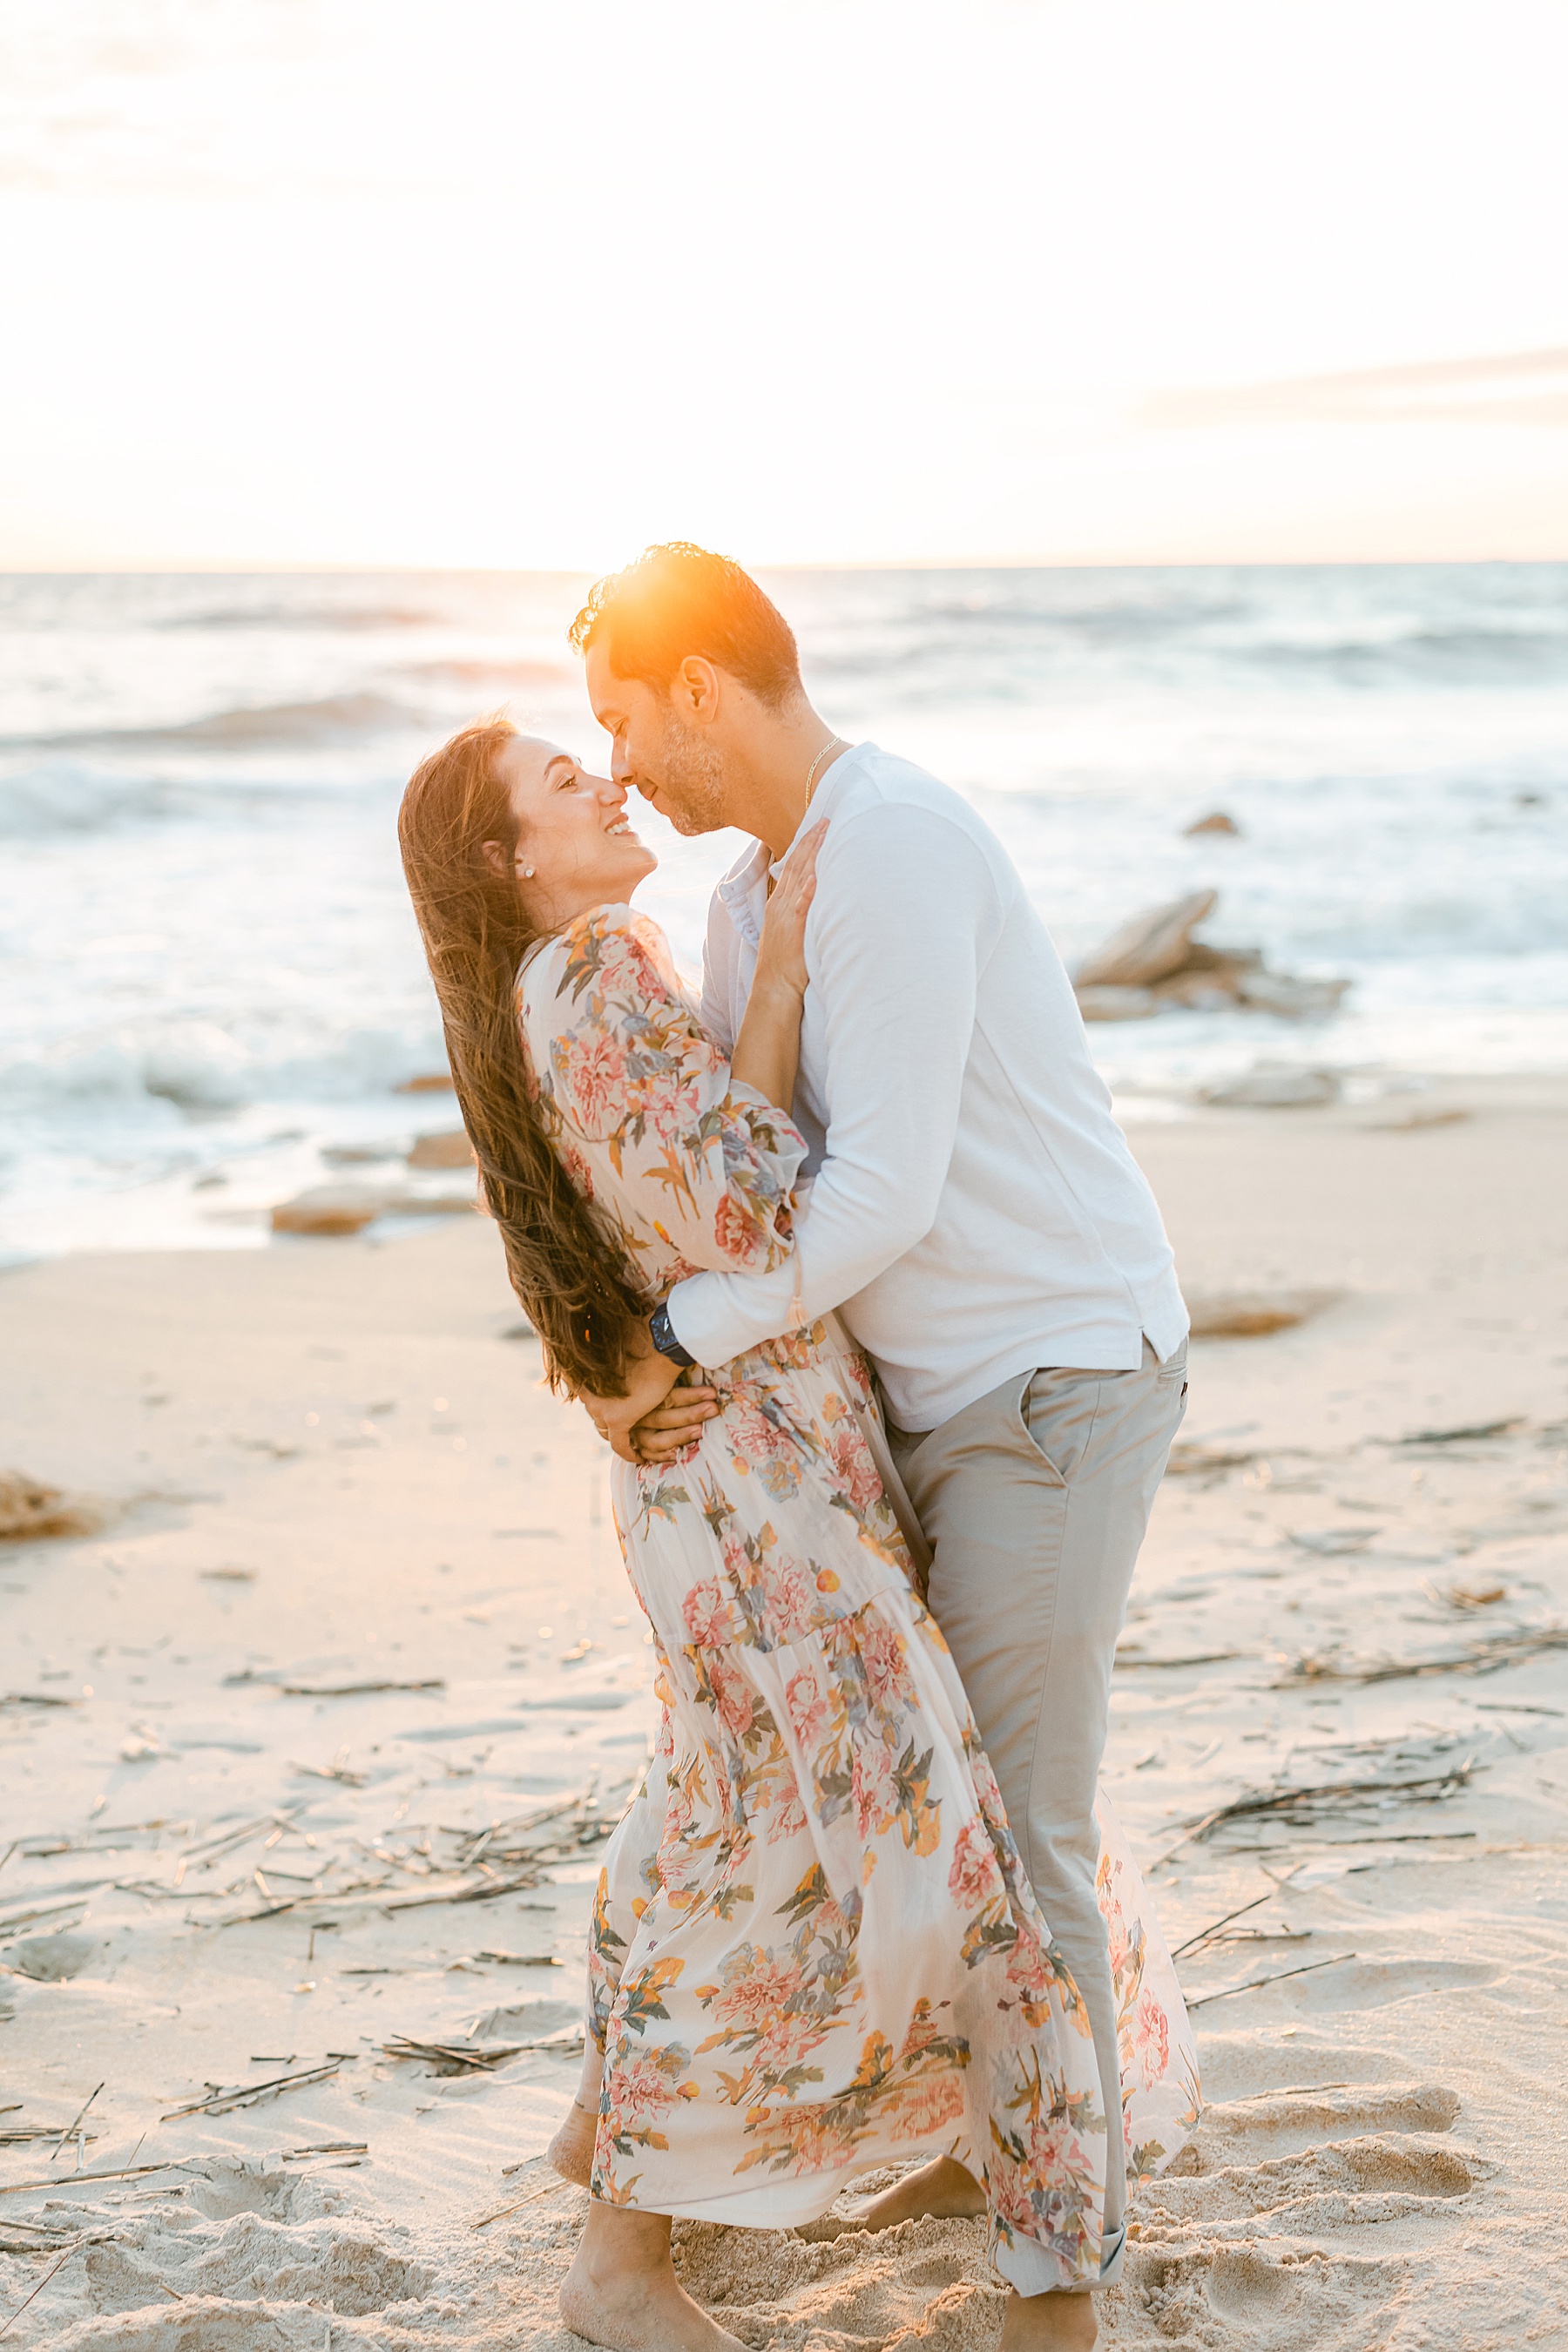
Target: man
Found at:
x=975, y=1214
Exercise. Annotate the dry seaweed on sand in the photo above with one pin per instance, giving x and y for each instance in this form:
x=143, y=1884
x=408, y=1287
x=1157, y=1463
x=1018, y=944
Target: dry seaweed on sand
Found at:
x=31, y=1511
x=1313, y=1804
x=1484, y=1656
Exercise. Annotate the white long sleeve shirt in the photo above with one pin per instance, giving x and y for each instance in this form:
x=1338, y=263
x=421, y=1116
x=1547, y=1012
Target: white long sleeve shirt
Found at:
x=975, y=1209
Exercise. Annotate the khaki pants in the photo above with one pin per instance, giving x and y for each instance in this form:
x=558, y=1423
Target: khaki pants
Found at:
x=1034, y=1500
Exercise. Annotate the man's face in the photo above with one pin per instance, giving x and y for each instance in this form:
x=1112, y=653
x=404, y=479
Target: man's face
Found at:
x=673, y=766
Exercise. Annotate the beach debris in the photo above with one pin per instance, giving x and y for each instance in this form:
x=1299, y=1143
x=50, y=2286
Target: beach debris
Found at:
x=227, y=1575
x=1474, y=1431
x=1279, y=1976
x=329, y=1690
x=36, y=1698
x=338, y=1770
x=1253, y=1315
x=1332, y=1543
x=1469, y=1596
x=1206, y=1935
x=431, y=1082
x=1216, y=821
x=336, y=1210
x=79, y=2179
x=1272, y=1086
x=1483, y=1656
x=69, y=2132
x=1313, y=1804
x=458, y=2057
x=1153, y=964
x=249, y=2094
x=451, y=1148
x=31, y=1510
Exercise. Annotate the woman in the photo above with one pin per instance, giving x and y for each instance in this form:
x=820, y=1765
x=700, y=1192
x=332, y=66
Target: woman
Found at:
x=814, y=1950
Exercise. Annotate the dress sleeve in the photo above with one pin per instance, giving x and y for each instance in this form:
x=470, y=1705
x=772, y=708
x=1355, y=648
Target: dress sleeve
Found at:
x=647, y=1118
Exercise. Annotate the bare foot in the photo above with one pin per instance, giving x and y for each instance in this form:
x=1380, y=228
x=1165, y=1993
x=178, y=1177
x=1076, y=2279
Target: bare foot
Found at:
x=571, y=2149
x=942, y=2191
x=638, y=2310
x=1050, y=2323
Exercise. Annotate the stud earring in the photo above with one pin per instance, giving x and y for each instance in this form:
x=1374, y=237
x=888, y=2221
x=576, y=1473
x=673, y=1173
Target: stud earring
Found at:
x=528, y=872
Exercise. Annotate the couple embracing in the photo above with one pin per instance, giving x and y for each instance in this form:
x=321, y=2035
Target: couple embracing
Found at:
x=855, y=1270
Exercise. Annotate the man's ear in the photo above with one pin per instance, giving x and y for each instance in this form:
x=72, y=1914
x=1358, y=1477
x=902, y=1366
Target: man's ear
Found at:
x=694, y=691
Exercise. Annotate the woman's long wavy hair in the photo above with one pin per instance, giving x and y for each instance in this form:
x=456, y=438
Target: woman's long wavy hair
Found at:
x=571, y=1283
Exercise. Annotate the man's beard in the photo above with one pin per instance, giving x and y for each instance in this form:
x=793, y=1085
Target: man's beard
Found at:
x=691, y=788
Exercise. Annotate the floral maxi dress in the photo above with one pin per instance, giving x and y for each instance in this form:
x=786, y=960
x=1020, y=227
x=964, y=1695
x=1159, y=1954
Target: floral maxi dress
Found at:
x=813, y=1949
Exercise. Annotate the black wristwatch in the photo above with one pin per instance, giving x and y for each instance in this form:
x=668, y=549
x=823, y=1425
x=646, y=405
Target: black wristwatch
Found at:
x=663, y=1337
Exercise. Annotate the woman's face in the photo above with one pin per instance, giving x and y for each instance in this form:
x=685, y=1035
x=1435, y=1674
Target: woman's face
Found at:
x=571, y=832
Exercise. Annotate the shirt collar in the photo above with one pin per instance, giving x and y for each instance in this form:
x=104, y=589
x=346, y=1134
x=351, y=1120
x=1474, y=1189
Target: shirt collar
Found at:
x=827, y=796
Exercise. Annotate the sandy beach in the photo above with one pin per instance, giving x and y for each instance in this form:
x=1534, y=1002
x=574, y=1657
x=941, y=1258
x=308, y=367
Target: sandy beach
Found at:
x=308, y=1747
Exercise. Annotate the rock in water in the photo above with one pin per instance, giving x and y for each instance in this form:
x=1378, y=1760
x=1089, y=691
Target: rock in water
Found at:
x=1149, y=948
x=1267, y=1089
x=429, y=1082
x=1216, y=822
x=451, y=1149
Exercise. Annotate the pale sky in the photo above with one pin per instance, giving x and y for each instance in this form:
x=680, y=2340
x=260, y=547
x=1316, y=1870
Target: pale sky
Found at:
x=487, y=283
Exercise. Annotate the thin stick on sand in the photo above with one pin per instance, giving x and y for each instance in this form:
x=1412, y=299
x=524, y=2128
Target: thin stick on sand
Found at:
x=1278, y=1978
x=483, y=2221
x=43, y=2283
x=69, y=2130
x=1205, y=1933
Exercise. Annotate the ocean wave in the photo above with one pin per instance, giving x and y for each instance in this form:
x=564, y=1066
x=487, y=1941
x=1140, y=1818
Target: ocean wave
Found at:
x=201, y=1068
x=353, y=620
x=65, y=798
x=1429, y=655
x=274, y=726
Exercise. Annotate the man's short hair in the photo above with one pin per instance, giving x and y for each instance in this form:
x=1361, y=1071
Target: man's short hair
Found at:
x=679, y=600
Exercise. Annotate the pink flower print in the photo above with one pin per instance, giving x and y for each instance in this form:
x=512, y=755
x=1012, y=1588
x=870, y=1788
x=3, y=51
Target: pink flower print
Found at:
x=787, y=1818
x=640, y=2091
x=807, y=1700
x=732, y=1697
x=1150, y=2042
x=595, y=1081
x=750, y=1432
x=740, y=1236
x=708, y=1614
x=1120, y=1945
x=854, y=1471
x=790, y=1600
x=759, y=1986
x=882, y=1654
x=974, y=1879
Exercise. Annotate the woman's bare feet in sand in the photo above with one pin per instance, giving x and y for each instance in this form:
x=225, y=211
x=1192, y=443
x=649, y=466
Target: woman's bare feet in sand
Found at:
x=943, y=2190
x=621, y=2291
x=1050, y=2323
